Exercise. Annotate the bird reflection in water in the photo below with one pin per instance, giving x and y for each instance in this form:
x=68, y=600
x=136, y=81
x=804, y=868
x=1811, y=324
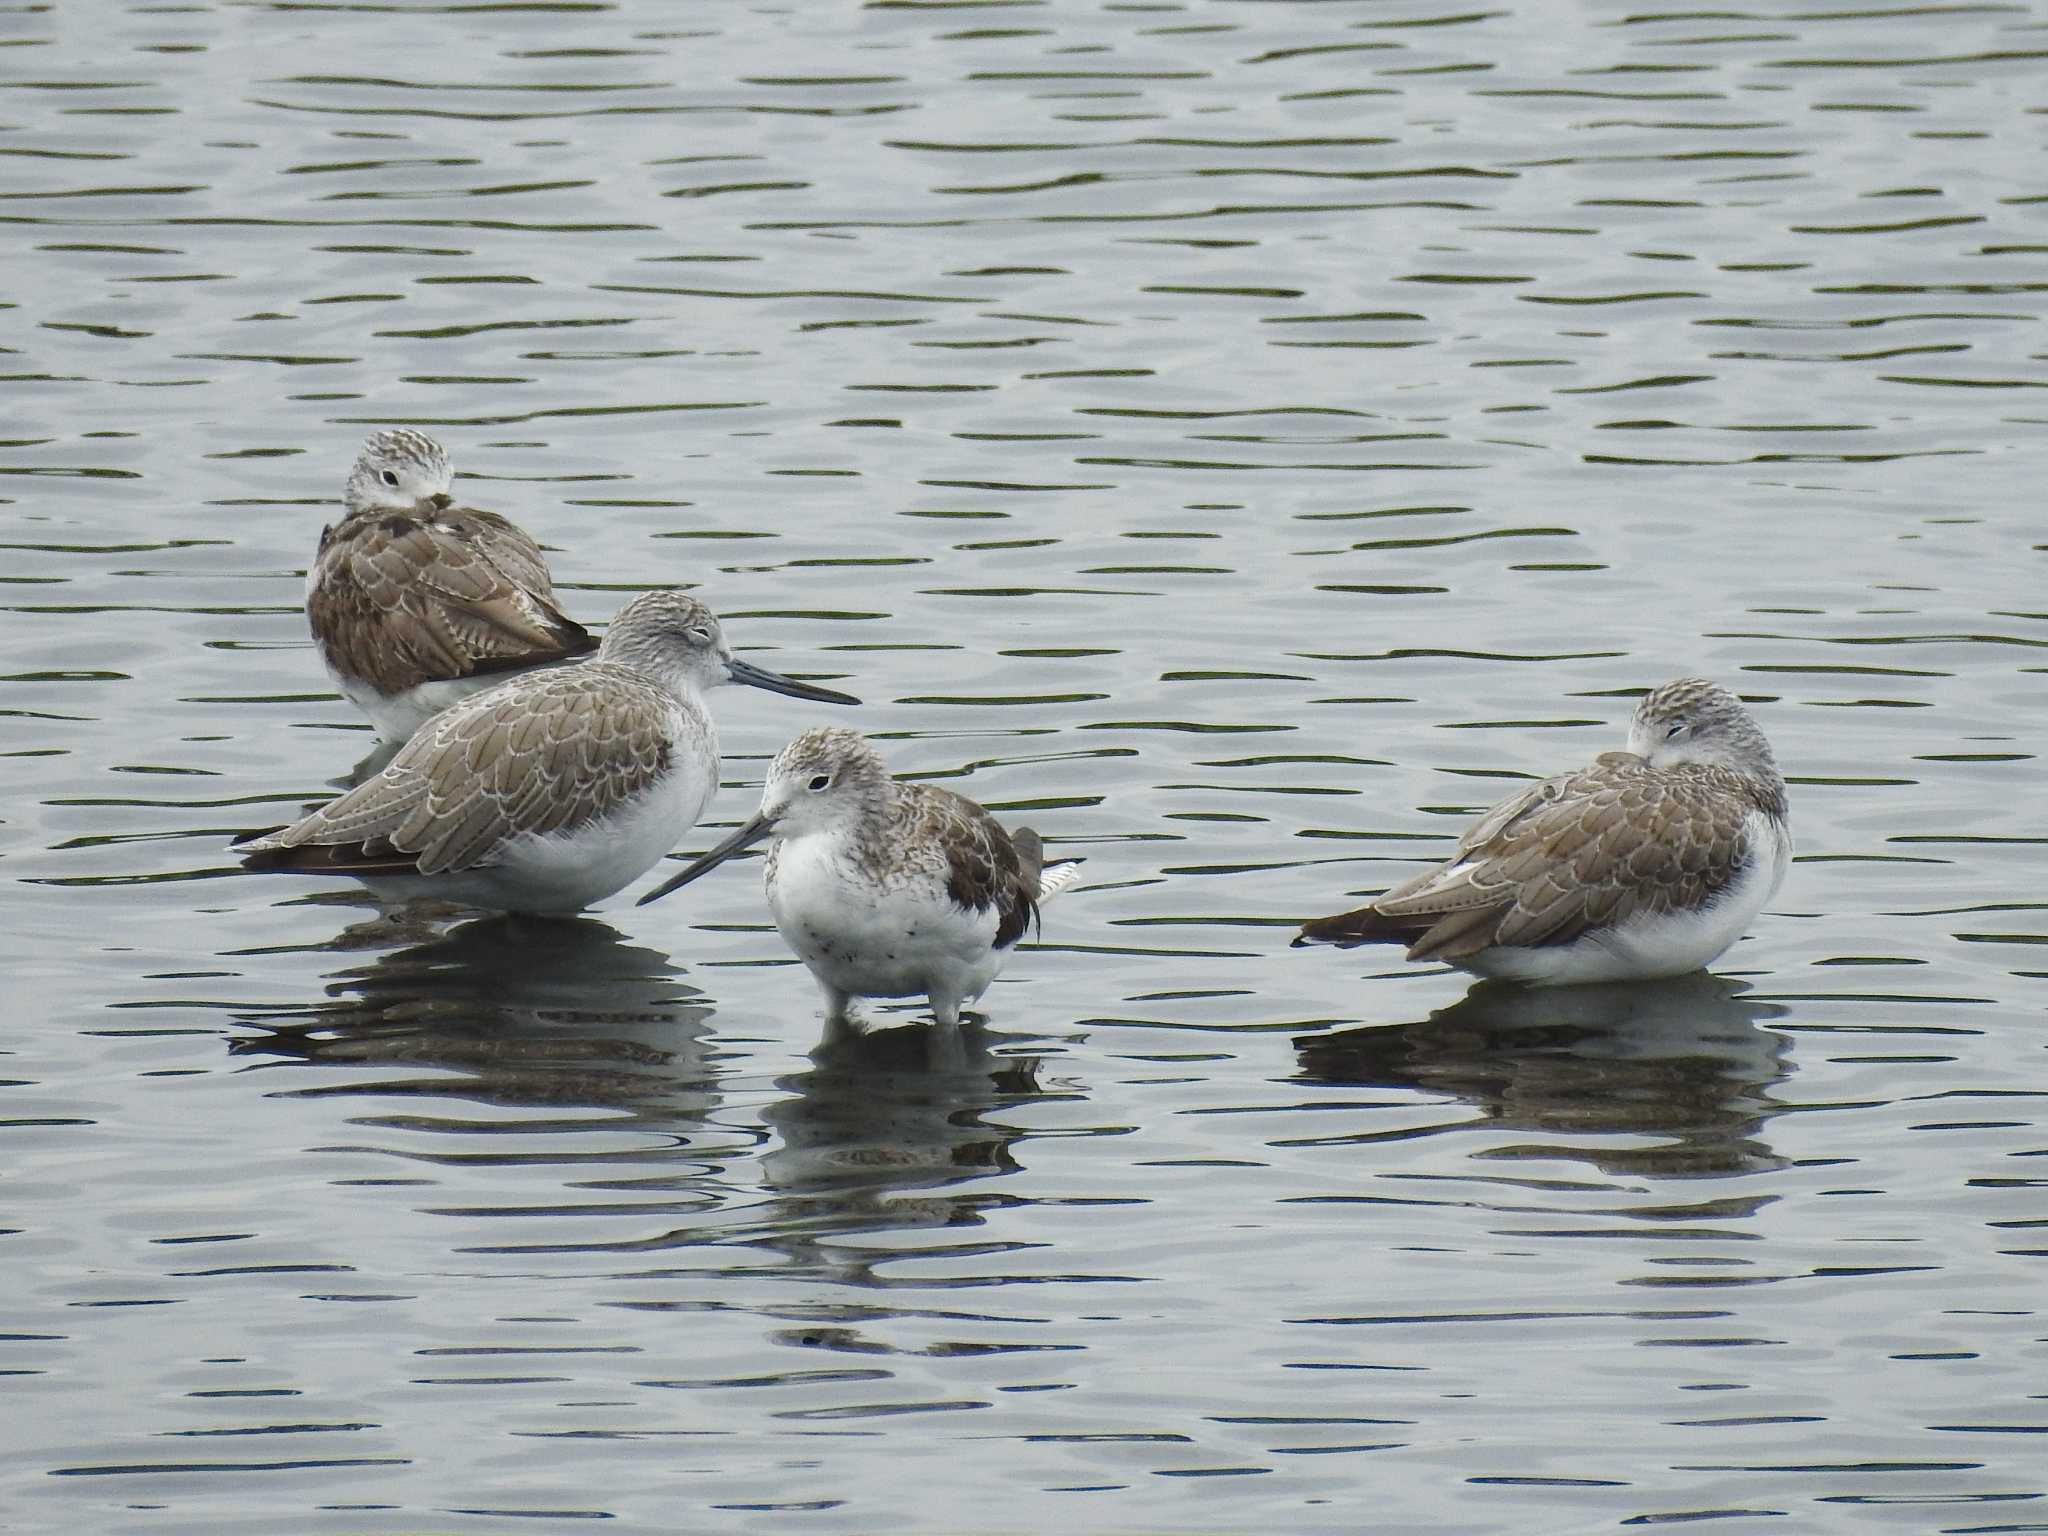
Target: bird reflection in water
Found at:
x=880, y=1130
x=521, y=1012
x=1683, y=1064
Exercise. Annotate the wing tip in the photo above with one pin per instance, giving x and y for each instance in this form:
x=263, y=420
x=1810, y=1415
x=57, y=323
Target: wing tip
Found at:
x=1361, y=925
x=258, y=841
x=261, y=857
x=578, y=644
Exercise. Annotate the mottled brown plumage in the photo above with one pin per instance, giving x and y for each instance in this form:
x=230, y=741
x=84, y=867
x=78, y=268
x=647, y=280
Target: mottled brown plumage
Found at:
x=887, y=889
x=414, y=602
x=1577, y=852
x=553, y=789
x=987, y=868
x=398, y=599
x=1647, y=862
x=559, y=752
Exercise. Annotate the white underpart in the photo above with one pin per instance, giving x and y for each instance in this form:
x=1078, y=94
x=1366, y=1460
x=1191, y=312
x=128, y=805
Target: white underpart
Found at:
x=568, y=871
x=900, y=936
x=1668, y=944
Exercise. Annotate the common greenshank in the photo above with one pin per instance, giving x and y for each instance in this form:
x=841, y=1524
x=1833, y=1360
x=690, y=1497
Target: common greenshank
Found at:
x=415, y=602
x=550, y=791
x=887, y=889
x=1649, y=862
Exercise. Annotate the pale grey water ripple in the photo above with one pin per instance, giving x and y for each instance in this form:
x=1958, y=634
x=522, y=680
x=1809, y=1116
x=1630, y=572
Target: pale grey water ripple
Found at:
x=1245, y=440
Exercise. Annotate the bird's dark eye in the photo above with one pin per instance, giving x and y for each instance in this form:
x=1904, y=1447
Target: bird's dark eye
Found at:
x=822, y=781
x=390, y=478
x=1676, y=728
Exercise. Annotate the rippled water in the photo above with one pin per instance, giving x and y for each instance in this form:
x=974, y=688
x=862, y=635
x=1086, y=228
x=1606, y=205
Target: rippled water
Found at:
x=1246, y=437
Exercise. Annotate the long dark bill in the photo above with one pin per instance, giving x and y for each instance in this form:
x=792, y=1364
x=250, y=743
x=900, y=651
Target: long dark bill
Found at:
x=760, y=677
x=746, y=837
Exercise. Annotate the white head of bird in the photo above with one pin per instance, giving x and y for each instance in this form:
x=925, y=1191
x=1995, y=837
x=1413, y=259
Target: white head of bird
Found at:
x=828, y=781
x=1693, y=720
x=400, y=470
x=674, y=639
x=824, y=781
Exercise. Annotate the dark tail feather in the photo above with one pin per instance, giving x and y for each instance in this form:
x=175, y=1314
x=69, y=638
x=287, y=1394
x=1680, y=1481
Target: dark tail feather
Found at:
x=1030, y=853
x=572, y=643
x=1363, y=926
x=1043, y=881
x=325, y=859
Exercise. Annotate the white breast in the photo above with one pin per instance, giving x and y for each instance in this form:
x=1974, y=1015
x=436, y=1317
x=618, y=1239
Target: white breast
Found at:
x=891, y=936
x=569, y=870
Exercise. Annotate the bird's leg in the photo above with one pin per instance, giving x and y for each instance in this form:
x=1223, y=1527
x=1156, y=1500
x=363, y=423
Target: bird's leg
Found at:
x=838, y=1012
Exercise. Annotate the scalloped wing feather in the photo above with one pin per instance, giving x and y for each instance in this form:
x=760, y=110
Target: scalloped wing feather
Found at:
x=986, y=870
x=1613, y=842
x=549, y=753
x=399, y=600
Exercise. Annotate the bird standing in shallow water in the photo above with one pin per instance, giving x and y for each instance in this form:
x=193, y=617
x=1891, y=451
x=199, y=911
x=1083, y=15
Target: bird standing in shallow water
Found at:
x=415, y=603
x=1649, y=862
x=886, y=889
x=550, y=791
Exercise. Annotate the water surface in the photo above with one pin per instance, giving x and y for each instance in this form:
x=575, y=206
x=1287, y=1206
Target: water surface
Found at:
x=1243, y=439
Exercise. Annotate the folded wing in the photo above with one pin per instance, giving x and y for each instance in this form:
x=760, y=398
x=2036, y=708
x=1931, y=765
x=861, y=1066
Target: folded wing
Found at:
x=404, y=599
x=987, y=868
x=543, y=755
x=1613, y=842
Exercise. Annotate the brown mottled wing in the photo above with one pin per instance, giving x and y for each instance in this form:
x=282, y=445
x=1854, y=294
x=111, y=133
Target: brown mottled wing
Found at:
x=1582, y=851
x=399, y=600
x=544, y=754
x=986, y=867
x=510, y=548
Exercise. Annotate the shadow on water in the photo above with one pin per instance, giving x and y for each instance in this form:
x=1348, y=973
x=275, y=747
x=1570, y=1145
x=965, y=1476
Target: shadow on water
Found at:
x=891, y=1130
x=367, y=767
x=892, y=1109
x=1684, y=1063
x=508, y=1011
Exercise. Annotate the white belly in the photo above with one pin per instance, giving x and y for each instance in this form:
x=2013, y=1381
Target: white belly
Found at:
x=567, y=871
x=1668, y=944
x=903, y=938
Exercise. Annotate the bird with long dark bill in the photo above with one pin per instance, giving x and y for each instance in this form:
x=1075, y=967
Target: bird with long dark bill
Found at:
x=550, y=791
x=887, y=889
x=1649, y=862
